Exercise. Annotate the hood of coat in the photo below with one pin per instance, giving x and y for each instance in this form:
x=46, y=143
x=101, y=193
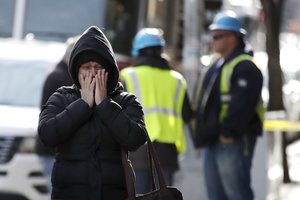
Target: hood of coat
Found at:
x=93, y=40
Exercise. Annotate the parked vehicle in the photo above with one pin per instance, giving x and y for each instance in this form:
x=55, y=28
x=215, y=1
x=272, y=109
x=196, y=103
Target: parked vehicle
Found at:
x=24, y=66
x=36, y=19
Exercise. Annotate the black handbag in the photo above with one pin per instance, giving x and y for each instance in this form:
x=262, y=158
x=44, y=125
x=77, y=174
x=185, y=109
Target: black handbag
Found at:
x=162, y=192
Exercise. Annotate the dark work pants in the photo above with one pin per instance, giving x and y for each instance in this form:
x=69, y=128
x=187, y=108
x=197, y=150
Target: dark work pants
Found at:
x=227, y=169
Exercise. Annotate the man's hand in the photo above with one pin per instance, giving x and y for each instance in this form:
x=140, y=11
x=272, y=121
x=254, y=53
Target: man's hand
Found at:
x=87, y=83
x=225, y=139
x=101, y=86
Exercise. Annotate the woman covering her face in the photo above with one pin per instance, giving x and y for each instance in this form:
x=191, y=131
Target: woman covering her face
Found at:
x=89, y=124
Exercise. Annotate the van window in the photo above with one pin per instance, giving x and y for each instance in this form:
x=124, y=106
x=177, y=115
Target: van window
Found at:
x=22, y=81
x=59, y=19
x=6, y=17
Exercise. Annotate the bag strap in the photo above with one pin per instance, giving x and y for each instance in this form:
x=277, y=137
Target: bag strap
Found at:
x=153, y=164
x=157, y=168
x=129, y=175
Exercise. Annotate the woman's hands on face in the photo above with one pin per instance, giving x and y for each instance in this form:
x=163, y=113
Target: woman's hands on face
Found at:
x=101, y=86
x=93, y=81
x=87, y=83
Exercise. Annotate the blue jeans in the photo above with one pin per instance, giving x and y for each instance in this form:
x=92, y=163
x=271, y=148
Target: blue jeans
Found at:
x=227, y=169
x=47, y=165
x=143, y=180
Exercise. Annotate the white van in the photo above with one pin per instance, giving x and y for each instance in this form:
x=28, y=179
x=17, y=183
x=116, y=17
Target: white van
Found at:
x=24, y=66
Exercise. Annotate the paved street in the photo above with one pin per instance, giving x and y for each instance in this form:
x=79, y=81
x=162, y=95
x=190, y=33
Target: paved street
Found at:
x=190, y=179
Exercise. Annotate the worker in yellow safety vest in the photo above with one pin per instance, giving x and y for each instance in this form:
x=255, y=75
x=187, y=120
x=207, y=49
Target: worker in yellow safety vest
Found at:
x=229, y=112
x=163, y=94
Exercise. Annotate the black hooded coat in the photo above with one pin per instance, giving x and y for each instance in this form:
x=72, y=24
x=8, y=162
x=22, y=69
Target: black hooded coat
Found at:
x=88, y=141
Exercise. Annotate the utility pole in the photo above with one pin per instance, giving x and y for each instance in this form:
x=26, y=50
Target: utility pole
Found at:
x=18, y=25
x=193, y=29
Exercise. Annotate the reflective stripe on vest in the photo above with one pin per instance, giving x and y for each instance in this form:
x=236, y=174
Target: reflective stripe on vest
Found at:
x=225, y=85
x=161, y=93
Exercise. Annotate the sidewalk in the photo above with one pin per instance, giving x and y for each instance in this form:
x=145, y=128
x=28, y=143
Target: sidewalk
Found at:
x=290, y=191
x=190, y=178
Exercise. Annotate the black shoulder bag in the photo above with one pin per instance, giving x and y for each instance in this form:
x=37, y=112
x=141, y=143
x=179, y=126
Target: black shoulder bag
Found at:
x=163, y=192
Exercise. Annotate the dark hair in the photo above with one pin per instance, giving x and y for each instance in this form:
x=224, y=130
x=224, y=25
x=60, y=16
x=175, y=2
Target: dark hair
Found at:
x=151, y=51
x=244, y=45
x=241, y=41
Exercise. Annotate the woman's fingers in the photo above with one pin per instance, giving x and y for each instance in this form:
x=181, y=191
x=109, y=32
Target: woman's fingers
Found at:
x=103, y=78
x=101, y=82
x=87, y=88
x=81, y=80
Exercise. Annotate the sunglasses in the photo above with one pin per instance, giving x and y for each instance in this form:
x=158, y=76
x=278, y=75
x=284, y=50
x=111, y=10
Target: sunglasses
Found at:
x=220, y=36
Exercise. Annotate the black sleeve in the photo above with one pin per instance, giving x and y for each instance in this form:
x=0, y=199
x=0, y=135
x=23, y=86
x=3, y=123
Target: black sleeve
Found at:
x=245, y=94
x=57, y=123
x=187, y=111
x=125, y=123
x=49, y=87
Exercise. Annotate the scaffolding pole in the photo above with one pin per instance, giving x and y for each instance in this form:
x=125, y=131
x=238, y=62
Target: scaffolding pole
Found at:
x=191, y=48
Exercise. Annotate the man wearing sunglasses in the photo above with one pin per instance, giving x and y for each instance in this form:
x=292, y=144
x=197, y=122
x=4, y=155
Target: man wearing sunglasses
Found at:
x=229, y=112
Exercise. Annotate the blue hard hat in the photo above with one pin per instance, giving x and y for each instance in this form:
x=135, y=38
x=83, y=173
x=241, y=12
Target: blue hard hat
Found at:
x=147, y=37
x=227, y=21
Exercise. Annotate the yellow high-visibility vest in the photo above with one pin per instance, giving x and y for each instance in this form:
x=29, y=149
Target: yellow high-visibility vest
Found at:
x=161, y=93
x=226, y=74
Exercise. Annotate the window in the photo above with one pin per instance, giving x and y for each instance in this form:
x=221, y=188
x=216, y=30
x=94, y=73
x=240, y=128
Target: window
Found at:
x=6, y=17
x=22, y=81
x=60, y=19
